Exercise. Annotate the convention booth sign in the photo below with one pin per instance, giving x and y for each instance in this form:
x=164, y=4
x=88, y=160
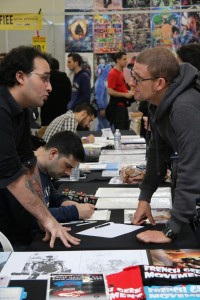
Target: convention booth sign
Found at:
x=39, y=42
x=20, y=21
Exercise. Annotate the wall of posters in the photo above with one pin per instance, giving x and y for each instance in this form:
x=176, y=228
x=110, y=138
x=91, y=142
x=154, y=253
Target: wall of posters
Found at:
x=106, y=27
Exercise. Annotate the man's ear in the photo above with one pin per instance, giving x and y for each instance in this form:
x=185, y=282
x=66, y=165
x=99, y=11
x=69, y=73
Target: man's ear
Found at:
x=161, y=84
x=53, y=153
x=20, y=77
x=83, y=114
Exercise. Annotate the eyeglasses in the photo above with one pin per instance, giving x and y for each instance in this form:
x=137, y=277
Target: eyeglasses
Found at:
x=45, y=77
x=138, y=80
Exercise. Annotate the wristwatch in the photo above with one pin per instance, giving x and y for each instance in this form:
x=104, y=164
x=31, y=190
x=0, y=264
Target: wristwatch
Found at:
x=169, y=233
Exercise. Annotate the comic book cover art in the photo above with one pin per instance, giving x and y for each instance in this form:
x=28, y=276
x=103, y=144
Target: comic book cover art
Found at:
x=107, y=33
x=135, y=4
x=183, y=258
x=190, y=27
x=189, y=3
x=137, y=33
x=78, y=33
x=165, y=27
x=161, y=3
x=82, y=286
x=107, y=4
x=103, y=58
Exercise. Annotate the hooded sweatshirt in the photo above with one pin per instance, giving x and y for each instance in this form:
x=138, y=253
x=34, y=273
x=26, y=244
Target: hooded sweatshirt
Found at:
x=175, y=127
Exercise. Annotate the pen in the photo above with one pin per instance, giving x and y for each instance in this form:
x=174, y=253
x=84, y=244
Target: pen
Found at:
x=86, y=223
x=72, y=222
x=102, y=225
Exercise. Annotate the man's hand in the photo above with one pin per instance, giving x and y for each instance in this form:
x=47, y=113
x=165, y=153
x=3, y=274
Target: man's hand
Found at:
x=129, y=95
x=153, y=236
x=142, y=213
x=85, y=210
x=54, y=230
x=102, y=113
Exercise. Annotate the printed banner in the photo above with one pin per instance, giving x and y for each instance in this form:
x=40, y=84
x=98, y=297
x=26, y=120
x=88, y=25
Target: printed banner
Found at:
x=20, y=21
x=39, y=42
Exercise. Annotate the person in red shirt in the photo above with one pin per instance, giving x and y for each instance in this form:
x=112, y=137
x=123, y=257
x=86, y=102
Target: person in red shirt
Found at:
x=120, y=96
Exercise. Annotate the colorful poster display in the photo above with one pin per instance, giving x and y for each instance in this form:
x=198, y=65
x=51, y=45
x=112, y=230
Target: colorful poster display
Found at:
x=78, y=33
x=107, y=33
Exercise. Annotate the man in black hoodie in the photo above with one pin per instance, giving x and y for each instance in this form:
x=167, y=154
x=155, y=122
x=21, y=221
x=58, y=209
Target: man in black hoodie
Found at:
x=81, y=88
x=174, y=118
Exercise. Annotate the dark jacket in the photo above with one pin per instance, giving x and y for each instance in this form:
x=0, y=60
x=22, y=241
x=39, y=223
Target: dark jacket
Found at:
x=175, y=128
x=54, y=200
x=81, y=89
x=58, y=99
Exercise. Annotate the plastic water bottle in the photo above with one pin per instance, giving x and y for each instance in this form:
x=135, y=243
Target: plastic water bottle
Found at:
x=117, y=139
x=75, y=174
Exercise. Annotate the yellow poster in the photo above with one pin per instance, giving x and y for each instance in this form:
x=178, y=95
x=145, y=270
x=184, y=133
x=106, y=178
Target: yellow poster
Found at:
x=39, y=42
x=20, y=21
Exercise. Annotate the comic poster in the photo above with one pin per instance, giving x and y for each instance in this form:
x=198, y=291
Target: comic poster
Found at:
x=107, y=4
x=165, y=29
x=78, y=33
x=87, y=65
x=189, y=3
x=106, y=58
x=135, y=4
x=107, y=33
x=136, y=32
x=76, y=5
x=183, y=258
x=190, y=27
x=161, y=3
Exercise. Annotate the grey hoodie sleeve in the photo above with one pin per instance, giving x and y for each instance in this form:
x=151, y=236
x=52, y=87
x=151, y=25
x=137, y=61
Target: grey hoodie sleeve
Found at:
x=185, y=119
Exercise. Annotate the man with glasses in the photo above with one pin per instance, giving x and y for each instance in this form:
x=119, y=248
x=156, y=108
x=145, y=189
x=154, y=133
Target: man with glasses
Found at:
x=24, y=82
x=174, y=109
x=120, y=97
x=83, y=115
x=61, y=153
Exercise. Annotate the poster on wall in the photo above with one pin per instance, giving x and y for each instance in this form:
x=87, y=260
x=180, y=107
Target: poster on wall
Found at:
x=136, y=32
x=107, y=4
x=189, y=3
x=165, y=29
x=190, y=27
x=106, y=58
x=87, y=65
x=162, y=3
x=78, y=33
x=107, y=33
x=135, y=4
x=78, y=5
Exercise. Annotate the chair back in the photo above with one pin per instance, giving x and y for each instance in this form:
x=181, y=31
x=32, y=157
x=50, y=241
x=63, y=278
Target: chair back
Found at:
x=6, y=245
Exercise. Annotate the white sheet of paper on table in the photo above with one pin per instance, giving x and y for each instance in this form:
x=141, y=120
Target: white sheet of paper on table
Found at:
x=110, y=231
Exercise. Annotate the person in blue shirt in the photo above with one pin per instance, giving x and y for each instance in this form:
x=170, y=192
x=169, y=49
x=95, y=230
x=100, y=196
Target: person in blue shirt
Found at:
x=55, y=159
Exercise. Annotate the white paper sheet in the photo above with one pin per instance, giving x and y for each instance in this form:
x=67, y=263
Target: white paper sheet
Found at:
x=127, y=159
x=132, y=203
x=100, y=215
x=123, y=152
x=129, y=192
x=110, y=231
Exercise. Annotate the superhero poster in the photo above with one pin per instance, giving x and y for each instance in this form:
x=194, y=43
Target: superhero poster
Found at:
x=190, y=27
x=136, y=32
x=78, y=33
x=162, y=3
x=189, y=3
x=107, y=4
x=107, y=33
x=135, y=4
x=165, y=29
